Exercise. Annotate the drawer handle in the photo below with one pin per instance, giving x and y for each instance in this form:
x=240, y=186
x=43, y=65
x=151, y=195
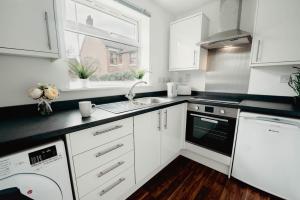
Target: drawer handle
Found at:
x=107, y=130
x=110, y=187
x=109, y=150
x=110, y=168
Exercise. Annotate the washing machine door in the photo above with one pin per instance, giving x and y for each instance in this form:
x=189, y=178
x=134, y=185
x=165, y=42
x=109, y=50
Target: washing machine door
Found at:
x=33, y=186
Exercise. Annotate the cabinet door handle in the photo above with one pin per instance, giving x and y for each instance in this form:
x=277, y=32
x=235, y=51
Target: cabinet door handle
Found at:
x=107, y=130
x=159, y=120
x=166, y=119
x=108, y=150
x=258, y=49
x=48, y=30
x=110, y=187
x=110, y=169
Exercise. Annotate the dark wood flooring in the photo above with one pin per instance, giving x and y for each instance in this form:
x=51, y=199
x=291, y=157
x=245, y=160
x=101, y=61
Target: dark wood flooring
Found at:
x=184, y=179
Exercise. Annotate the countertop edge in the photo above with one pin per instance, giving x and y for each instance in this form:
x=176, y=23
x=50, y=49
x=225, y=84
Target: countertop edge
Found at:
x=43, y=136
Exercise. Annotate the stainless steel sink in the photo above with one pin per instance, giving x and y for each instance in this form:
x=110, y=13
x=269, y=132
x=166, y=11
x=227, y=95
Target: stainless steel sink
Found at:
x=151, y=100
x=126, y=106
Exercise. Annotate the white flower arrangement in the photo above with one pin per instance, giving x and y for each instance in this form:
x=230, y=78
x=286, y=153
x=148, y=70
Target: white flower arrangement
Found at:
x=44, y=93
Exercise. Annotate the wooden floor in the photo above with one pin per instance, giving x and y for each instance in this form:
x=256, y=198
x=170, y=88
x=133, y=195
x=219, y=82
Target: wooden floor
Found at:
x=185, y=179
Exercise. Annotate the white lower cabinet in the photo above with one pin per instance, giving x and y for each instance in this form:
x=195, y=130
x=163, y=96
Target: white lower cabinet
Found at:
x=111, y=161
x=113, y=189
x=101, y=175
x=172, y=134
x=158, y=137
x=267, y=154
x=102, y=160
x=147, y=129
x=93, y=158
x=99, y=135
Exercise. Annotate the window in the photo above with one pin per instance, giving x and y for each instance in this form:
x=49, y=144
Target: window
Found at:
x=109, y=39
x=115, y=57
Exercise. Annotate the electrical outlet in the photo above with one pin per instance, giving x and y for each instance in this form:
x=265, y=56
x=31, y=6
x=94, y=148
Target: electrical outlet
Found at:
x=284, y=78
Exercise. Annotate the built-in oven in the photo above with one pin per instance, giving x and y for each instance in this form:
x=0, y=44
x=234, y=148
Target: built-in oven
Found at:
x=211, y=127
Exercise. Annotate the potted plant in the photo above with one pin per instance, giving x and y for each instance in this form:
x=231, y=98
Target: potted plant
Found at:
x=44, y=94
x=294, y=83
x=83, y=70
x=139, y=74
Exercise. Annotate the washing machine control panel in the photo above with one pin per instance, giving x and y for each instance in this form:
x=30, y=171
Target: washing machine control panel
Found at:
x=42, y=154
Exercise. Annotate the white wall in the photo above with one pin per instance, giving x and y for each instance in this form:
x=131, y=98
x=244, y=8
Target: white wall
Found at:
x=271, y=81
x=264, y=81
x=20, y=73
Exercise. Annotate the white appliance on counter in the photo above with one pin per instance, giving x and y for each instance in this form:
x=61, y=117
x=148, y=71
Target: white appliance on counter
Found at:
x=184, y=89
x=172, y=89
x=39, y=173
x=267, y=154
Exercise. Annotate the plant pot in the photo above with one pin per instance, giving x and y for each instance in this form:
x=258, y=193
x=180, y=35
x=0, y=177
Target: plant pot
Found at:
x=84, y=82
x=297, y=101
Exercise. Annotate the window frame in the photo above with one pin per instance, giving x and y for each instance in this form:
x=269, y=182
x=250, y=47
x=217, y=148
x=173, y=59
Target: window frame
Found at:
x=135, y=58
x=101, y=34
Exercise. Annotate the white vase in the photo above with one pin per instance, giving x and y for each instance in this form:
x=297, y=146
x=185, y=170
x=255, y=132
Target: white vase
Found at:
x=84, y=83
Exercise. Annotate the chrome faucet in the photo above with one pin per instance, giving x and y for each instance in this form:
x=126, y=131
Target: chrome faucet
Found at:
x=130, y=95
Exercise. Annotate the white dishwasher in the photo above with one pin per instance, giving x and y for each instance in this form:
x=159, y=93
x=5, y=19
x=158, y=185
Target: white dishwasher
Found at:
x=267, y=154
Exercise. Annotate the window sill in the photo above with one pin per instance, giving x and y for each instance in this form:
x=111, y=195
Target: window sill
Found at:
x=102, y=87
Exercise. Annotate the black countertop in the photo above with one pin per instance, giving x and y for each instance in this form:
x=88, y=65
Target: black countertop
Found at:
x=271, y=108
x=17, y=133
x=34, y=129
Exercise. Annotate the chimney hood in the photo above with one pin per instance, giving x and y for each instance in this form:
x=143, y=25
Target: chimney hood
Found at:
x=233, y=37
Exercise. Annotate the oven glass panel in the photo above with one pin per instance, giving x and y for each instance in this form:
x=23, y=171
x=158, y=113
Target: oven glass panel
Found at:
x=211, y=133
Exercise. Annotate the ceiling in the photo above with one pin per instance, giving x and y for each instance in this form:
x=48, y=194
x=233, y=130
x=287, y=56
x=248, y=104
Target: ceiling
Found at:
x=177, y=7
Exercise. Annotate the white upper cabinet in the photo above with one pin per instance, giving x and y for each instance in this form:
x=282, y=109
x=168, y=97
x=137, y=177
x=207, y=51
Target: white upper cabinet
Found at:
x=185, y=33
x=28, y=27
x=172, y=136
x=277, y=33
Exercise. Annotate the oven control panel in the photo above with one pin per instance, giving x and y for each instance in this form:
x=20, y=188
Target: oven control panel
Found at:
x=214, y=110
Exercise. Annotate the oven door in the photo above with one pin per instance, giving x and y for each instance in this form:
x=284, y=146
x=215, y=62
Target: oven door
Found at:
x=211, y=132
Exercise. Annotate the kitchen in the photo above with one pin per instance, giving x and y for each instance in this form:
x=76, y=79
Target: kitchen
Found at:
x=194, y=99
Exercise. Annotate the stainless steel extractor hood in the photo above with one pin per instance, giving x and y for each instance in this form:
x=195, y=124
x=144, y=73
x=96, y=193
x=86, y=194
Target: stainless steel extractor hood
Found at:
x=231, y=37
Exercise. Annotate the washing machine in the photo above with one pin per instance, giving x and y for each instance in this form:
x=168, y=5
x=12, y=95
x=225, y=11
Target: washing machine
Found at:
x=39, y=173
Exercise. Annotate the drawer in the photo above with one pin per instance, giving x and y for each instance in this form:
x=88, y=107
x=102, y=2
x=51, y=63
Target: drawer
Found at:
x=101, y=175
x=99, y=156
x=93, y=137
x=115, y=188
